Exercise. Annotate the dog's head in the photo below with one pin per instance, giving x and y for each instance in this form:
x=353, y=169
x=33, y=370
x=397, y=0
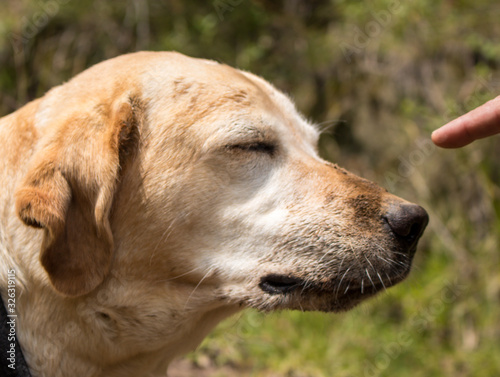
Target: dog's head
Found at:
x=203, y=184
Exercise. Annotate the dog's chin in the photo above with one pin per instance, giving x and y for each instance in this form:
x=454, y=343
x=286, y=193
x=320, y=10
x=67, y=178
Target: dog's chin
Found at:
x=279, y=292
x=313, y=300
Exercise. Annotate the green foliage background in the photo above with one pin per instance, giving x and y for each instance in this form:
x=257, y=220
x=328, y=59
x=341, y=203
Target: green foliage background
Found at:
x=378, y=76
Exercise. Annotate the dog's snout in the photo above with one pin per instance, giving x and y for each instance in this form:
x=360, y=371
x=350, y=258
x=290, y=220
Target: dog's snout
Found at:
x=407, y=221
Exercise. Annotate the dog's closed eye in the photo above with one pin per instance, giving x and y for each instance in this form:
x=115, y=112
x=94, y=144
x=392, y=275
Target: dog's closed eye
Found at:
x=265, y=147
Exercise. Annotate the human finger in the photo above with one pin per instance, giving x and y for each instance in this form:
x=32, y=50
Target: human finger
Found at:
x=479, y=123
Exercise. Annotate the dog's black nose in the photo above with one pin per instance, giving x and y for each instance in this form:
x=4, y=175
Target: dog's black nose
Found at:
x=407, y=221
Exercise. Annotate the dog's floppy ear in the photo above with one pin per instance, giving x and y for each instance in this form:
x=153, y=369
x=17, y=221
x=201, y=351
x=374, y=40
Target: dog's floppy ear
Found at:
x=69, y=188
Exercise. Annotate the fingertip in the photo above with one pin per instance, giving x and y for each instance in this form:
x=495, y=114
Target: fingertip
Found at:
x=438, y=138
x=444, y=139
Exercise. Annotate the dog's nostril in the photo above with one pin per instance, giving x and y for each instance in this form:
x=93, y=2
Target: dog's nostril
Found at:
x=407, y=221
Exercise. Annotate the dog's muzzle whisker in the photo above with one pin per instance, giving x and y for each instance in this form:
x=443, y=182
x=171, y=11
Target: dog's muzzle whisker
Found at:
x=369, y=277
x=348, y=286
x=381, y=281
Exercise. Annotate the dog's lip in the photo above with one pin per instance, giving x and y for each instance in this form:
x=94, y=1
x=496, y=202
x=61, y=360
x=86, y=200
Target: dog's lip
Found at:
x=288, y=291
x=276, y=284
x=281, y=284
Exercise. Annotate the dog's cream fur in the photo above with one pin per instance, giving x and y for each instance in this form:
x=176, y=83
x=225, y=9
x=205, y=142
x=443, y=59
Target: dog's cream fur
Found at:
x=146, y=199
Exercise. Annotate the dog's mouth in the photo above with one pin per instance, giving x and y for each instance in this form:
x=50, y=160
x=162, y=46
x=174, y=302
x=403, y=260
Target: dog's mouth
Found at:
x=334, y=294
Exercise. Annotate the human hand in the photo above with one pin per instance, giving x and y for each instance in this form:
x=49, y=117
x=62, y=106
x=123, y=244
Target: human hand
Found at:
x=481, y=122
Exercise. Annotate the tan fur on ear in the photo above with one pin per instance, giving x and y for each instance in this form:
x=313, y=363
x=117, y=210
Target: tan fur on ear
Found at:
x=69, y=189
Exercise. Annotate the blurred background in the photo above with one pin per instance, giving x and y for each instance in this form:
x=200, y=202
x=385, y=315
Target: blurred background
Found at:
x=378, y=76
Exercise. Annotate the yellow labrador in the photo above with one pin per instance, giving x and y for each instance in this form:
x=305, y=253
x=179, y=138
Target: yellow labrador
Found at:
x=154, y=195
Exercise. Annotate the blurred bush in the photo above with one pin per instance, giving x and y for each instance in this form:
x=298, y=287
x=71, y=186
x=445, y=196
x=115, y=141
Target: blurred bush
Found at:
x=378, y=76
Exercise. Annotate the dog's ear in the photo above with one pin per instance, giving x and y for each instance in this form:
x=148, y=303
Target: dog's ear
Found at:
x=69, y=188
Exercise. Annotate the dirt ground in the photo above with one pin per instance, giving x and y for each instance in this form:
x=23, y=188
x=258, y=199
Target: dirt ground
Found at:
x=203, y=368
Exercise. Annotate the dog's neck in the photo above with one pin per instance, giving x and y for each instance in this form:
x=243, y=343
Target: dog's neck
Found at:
x=96, y=336
x=126, y=327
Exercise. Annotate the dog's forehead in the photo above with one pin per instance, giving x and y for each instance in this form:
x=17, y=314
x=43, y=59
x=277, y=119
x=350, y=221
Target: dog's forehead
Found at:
x=239, y=101
x=283, y=110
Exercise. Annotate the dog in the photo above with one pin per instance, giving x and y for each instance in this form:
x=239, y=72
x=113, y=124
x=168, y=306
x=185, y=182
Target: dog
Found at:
x=154, y=195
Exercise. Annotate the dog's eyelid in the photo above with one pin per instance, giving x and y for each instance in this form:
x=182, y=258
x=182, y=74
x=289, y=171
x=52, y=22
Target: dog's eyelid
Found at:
x=257, y=146
x=252, y=140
